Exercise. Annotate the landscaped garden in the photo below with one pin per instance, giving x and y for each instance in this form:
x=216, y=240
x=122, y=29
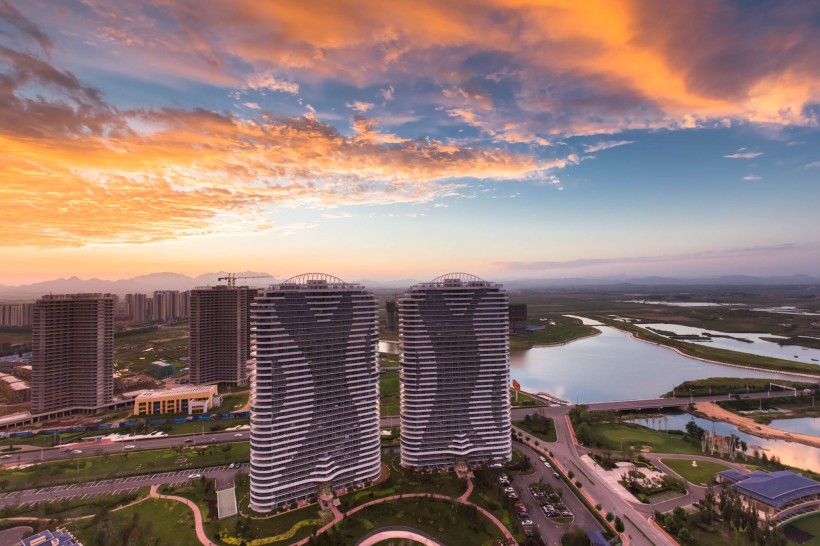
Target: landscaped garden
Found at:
x=539, y=426
x=701, y=474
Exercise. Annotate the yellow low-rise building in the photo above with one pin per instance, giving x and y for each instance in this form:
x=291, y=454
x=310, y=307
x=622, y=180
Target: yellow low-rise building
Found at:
x=190, y=400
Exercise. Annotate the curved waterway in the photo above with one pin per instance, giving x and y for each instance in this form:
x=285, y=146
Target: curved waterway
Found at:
x=613, y=366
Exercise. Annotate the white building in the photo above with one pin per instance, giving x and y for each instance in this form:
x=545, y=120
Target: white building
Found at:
x=314, y=390
x=455, y=373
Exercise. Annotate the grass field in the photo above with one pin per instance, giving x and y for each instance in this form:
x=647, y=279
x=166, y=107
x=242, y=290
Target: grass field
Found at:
x=630, y=437
x=389, y=393
x=153, y=521
x=703, y=474
x=811, y=525
x=451, y=522
x=559, y=329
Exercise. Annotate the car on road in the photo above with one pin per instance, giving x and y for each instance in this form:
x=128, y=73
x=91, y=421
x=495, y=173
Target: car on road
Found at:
x=194, y=476
x=76, y=451
x=6, y=457
x=232, y=465
x=556, y=476
x=543, y=459
x=130, y=446
x=189, y=440
x=547, y=464
x=237, y=435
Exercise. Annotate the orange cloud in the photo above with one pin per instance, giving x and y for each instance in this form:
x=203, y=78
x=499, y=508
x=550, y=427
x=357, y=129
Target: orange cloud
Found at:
x=573, y=68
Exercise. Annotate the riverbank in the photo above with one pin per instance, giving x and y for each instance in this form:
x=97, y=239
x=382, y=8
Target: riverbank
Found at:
x=714, y=412
x=773, y=369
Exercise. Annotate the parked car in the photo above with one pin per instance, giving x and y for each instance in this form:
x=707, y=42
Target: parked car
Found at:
x=194, y=476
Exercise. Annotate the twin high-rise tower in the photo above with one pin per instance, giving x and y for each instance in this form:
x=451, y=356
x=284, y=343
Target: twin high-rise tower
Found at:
x=455, y=404
x=315, y=385
x=315, y=389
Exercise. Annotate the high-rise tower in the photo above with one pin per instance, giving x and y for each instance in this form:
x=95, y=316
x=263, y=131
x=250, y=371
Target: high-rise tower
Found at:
x=72, y=363
x=314, y=389
x=219, y=344
x=455, y=404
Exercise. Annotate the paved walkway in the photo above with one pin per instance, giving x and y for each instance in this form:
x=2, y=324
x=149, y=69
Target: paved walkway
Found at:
x=200, y=530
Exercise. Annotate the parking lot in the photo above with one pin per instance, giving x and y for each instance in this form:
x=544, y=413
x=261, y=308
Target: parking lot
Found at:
x=116, y=486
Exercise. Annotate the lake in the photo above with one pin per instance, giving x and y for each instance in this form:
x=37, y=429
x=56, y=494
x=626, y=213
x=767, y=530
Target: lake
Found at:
x=790, y=453
x=757, y=347
x=612, y=366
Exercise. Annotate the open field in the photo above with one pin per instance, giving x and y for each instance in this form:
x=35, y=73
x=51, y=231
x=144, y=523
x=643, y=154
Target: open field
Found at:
x=630, y=437
x=152, y=521
x=557, y=329
x=734, y=385
x=389, y=393
x=703, y=474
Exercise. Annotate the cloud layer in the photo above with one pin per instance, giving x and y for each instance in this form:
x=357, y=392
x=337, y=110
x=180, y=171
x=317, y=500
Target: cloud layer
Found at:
x=356, y=102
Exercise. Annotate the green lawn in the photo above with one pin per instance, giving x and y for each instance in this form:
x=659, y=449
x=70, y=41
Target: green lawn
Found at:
x=450, y=522
x=153, y=521
x=563, y=330
x=389, y=392
x=631, y=437
x=703, y=474
x=811, y=525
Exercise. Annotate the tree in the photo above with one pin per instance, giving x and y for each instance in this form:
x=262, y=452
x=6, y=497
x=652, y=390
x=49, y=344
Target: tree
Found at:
x=619, y=525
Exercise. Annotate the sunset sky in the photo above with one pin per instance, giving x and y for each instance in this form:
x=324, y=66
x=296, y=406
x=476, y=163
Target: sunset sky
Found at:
x=394, y=140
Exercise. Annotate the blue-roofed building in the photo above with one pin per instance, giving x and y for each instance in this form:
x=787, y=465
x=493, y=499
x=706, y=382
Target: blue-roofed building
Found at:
x=778, y=496
x=51, y=538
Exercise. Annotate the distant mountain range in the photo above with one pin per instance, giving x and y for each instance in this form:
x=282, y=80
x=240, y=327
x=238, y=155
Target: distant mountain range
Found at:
x=176, y=281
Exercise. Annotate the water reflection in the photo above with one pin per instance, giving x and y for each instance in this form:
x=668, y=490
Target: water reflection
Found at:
x=789, y=453
x=757, y=347
x=803, y=425
x=612, y=366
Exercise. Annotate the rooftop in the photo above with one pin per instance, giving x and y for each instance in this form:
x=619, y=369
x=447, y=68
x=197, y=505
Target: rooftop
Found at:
x=773, y=488
x=191, y=389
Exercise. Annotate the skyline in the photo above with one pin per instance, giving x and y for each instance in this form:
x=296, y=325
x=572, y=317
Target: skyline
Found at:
x=403, y=141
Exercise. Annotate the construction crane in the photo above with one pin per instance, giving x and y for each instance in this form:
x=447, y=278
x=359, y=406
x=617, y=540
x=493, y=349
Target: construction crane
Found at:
x=231, y=278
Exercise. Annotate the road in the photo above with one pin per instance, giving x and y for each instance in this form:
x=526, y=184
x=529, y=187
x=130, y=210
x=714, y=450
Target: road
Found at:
x=639, y=530
x=98, y=448
x=550, y=531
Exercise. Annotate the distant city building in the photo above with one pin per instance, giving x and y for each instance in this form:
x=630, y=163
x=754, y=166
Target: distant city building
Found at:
x=72, y=362
x=189, y=399
x=455, y=405
x=392, y=312
x=314, y=390
x=136, y=307
x=219, y=343
x=166, y=306
x=518, y=318
x=775, y=496
x=16, y=314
